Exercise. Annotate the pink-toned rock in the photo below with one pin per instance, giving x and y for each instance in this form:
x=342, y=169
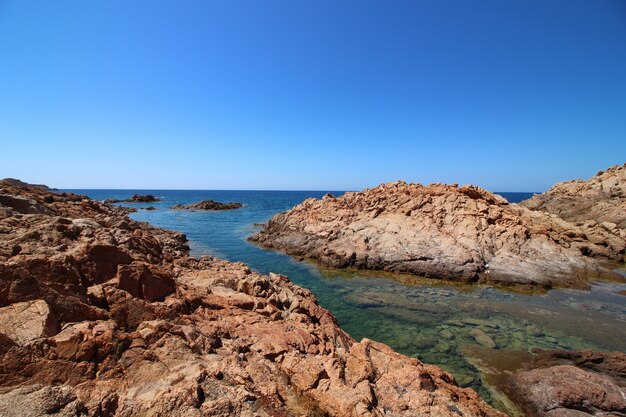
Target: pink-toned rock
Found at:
x=566, y=390
x=599, y=202
x=27, y=321
x=444, y=231
x=147, y=330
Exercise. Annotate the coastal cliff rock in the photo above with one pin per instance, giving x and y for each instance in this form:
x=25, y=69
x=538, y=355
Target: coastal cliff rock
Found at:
x=597, y=202
x=444, y=231
x=104, y=316
x=571, y=383
x=208, y=205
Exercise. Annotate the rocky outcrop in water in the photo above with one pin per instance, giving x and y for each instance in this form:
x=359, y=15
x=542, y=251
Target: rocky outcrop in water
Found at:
x=135, y=198
x=103, y=316
x=208, y=205
x=444, y=231
x=576, y=384
x=599, y=202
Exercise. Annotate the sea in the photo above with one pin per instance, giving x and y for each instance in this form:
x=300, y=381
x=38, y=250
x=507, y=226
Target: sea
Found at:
x=432, y=320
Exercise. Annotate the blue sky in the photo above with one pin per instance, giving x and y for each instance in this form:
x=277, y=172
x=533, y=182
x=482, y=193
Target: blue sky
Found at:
x=509, y=95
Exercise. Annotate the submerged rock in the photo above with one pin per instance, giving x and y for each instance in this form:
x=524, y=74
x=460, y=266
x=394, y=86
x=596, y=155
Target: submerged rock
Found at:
x=144, y=329
x=482, y=338
x=443, y=231
x=208, y=205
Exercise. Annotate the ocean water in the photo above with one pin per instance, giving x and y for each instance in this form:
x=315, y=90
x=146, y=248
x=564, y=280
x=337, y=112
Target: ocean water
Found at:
x=436, y=321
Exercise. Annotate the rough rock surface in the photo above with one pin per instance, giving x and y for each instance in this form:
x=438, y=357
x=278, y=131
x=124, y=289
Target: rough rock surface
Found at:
x=597, y=202
x=136, y=198
x=145, y=330
x=572, y=384
x=27, y=321
x=208, y=205
x=444, y=231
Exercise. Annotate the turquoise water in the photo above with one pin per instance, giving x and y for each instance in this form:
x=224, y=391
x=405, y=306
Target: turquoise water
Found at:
x=478, y=333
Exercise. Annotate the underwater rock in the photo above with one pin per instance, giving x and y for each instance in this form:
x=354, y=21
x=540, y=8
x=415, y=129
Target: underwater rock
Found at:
x=482, y=338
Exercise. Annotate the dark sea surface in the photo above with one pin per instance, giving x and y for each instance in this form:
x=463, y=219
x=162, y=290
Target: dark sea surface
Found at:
x=423, y=318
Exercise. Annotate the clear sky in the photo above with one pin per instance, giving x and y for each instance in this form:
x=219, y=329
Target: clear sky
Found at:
x=510, y=95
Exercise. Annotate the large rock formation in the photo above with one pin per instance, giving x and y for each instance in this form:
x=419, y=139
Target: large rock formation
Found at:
x=444, y=231
x=561, y=383
x=597, y=202
x=104, y=316
x=208, y=205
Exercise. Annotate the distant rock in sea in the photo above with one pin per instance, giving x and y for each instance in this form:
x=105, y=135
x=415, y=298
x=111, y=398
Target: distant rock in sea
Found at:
x=208, y=205
x=597, y=202
x=136, y=198
x=444, y=231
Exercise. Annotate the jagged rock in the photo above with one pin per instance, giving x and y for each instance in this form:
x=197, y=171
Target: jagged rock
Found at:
x=208, y=205
x=21, y=205
x=27, y=321
x=144, y=329
x=40, y=400
x=599, y=202
x=441, y=231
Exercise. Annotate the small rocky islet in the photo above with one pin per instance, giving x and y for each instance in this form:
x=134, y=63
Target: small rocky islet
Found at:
x=158, y=308
x=135, y=198
x=208, y=205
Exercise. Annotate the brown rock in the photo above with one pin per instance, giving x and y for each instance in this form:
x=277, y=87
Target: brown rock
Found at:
x=208, y=205
x=601, y=199
x=145, y=282
x=440, y=231
x=28, y=321
x=565, y=390
x=147, y=330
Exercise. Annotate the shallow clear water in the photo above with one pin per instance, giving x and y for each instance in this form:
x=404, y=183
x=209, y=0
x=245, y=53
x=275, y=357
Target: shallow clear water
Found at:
x=428, y=319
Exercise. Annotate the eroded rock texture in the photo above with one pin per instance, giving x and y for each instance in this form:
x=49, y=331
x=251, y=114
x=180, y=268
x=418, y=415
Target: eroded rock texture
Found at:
x=572, y=384
x=444, y=231
x=104, y=316
x=597, y=202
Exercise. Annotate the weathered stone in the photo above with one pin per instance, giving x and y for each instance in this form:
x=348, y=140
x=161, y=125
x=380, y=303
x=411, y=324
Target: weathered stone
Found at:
x=567, y=389
x=147, y=330
x=442, y=231
x=28, y=321
x=600, y=199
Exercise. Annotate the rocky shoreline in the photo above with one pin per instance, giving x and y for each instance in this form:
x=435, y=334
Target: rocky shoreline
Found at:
x=101, y=315
x=451, y=232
